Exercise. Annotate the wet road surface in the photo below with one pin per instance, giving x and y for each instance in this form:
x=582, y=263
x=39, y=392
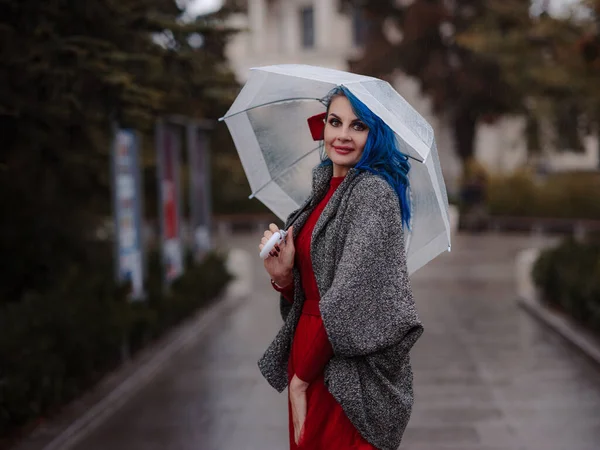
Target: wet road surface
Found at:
x=487, y=375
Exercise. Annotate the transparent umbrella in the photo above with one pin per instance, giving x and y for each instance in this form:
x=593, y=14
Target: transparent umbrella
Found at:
x=268, y=124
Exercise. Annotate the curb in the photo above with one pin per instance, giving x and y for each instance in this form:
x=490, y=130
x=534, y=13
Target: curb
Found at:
x=529, y=299
x=87, y=413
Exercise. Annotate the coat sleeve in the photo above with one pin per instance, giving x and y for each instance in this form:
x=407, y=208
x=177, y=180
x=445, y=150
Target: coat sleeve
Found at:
x=369, y=307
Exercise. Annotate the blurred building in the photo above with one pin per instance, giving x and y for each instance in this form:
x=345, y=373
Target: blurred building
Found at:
x=294, y=31
x=321, y=33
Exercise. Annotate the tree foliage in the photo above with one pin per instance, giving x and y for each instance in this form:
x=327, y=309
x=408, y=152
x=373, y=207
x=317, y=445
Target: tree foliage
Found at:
x=68, y=70
x=461, y=84
x=479, y=58
x=552, y=62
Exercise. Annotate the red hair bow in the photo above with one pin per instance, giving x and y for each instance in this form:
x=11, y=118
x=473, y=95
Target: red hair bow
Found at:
x=316, y=124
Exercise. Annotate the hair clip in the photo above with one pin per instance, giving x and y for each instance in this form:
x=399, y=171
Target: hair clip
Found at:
x=316, y=124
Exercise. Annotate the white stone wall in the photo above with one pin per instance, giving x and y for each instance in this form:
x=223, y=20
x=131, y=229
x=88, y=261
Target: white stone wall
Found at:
x=274, y=36
x=501, y=147
x=586, y=160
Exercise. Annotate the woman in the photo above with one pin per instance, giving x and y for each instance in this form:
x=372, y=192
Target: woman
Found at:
x=349, y=314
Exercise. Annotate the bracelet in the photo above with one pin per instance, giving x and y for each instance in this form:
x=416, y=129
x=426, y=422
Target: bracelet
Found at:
x=279, y=287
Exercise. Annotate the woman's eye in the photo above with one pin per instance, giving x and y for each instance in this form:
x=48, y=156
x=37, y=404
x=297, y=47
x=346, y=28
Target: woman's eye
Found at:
x=334, y=122
x=359, y=126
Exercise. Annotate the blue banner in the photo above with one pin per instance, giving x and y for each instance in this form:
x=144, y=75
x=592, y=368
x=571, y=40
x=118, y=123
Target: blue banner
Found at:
x=127, y=198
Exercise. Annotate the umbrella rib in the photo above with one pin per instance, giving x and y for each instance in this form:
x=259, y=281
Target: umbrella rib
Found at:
x=274, y=102
x=412, y=157
x=282, y=173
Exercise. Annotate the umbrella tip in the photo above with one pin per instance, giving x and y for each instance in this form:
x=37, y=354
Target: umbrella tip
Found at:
x=221, y=119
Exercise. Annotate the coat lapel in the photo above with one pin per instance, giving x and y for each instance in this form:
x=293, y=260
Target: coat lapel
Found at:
x=320, y=184
x=334, y=202
x=322, y=258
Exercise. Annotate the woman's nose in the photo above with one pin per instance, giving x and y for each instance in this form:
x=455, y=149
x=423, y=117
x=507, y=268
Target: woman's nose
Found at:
x=344, y=134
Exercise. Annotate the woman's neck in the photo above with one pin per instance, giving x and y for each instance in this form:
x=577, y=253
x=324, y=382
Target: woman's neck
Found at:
x=340, y=171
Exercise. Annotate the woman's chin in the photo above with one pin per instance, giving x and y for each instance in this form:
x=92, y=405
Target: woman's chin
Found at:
x=342, y=160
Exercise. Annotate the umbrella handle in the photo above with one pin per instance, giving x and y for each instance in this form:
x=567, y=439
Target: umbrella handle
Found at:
x=277, y=238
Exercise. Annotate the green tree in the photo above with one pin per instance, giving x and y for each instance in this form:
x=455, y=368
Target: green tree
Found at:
x=589, y=49
x=68, y=69
x=551, y=62
x=462, y=85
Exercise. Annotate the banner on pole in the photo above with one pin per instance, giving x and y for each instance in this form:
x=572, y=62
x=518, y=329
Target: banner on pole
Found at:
x=127, y=199
x=199, y=185
x=168, y=162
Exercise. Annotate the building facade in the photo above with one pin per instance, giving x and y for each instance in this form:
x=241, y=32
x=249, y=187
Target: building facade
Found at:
x=293, y=31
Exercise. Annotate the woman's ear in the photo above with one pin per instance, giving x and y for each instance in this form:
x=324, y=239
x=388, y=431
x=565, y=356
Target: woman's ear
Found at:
x=316, y=124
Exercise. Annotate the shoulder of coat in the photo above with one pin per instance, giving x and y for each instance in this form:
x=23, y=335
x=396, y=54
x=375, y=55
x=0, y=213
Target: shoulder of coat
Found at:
x=375, y=195
x=370, y=184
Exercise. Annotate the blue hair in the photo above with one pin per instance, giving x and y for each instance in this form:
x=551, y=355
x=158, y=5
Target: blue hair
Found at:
x=381, y=155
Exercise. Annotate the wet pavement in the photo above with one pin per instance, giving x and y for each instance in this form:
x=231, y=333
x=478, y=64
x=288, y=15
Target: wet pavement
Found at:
x=487, y=375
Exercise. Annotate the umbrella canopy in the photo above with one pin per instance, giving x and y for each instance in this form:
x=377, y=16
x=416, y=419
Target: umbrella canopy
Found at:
x=268, y=124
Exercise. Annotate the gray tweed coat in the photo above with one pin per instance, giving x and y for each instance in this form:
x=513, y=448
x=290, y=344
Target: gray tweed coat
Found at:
x=366, y=304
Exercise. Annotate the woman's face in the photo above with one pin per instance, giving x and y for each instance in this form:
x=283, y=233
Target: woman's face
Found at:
x=345, y=136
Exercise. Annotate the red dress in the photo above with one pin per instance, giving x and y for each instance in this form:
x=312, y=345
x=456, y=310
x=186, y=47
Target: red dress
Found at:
x=326, y=426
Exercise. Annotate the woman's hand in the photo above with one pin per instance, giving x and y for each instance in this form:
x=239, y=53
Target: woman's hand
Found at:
x=298, y=401
x=280, y=262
